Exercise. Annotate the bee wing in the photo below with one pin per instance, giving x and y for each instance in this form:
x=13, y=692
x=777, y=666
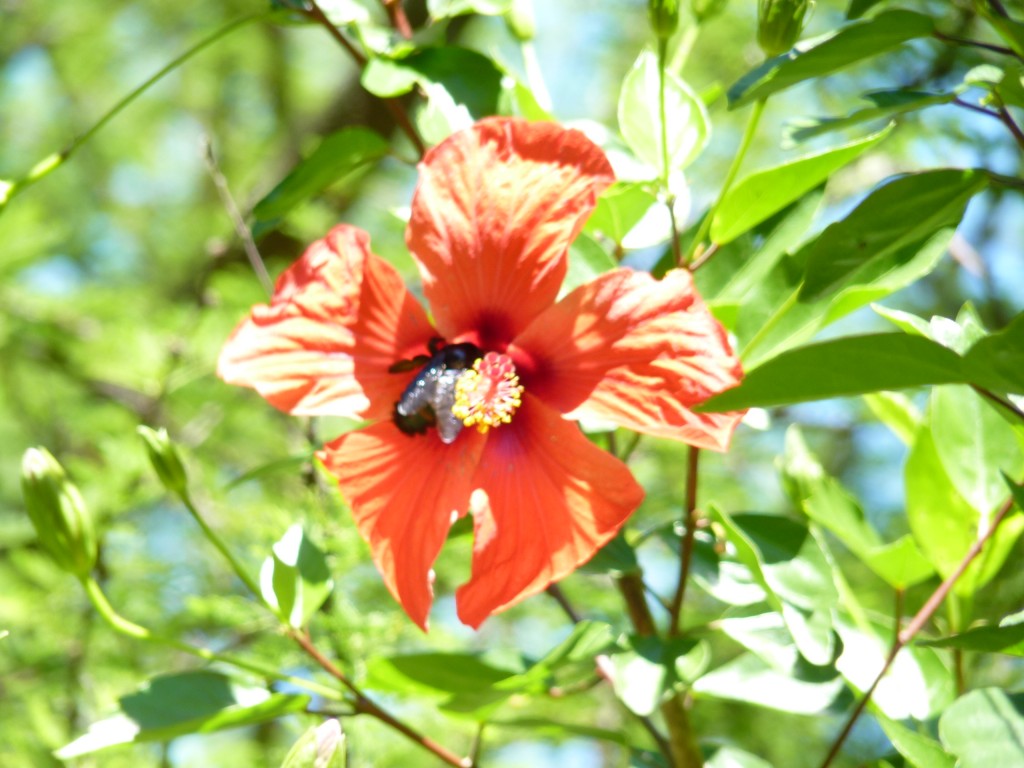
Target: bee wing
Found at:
x=442, y=400
x=420, y=391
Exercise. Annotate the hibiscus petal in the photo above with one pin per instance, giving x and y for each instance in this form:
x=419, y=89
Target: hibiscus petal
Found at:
x=403, y=491
x=636, y=351
x=495, y=210
x=553, y=497
x=339, y=317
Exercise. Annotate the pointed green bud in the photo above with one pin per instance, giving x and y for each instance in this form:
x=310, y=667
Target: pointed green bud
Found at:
x=779, y=24
x=165, y=460
x=58, y=512
x=664, y=16
x=520, y=21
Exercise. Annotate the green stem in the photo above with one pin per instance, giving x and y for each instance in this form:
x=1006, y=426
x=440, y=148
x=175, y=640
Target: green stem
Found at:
x=138, y=632
x=217, y=542
x=670, y=199
x=748, y=137
x=48, y=164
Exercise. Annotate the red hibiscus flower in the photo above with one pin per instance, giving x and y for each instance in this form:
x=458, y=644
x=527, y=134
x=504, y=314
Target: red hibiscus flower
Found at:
x=478, y=400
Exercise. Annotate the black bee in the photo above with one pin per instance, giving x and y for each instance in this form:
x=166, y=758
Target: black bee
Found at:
x=428, y=399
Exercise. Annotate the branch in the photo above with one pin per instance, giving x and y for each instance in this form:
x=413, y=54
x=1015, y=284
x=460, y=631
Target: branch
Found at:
x=920, y=619
x=241, y=230
x=394, y=106
x=366, y=706
x=686, y=553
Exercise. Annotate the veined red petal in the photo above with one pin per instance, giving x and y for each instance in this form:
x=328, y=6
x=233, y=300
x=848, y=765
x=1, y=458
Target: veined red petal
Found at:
x=404, y=491
x=339, y=317
x=495, y=210
x=636, y=351
x=554, y=498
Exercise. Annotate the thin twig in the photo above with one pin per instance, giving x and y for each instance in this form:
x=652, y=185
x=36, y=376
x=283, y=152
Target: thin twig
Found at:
x=999, y=114
x=394, y=106
x=563, y=602
x=398, y=18
x=973, y=43
x=366, y=706
x=686, y=550
x=916, y=624
x=241, y=229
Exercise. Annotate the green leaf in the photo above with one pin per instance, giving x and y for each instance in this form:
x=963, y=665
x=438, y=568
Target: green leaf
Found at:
x=831, y=506
x=984, y=728
x=728, y=280
x=884, y=104
x=749, y=680
x=904, y=211
x=444, y=9
x=920, y=750
x=1004, y=84
x=778, y=316
x=434, y=673
x=295, y=580
x=858, y=8
x=945, y=524
x=758, y=196
x=853, y=365
x=830, y=52
x=619, y=209
x=617, y=557
x=177, y=704
x=731, y=757
x=997, y=361
x=648, y=666
x=587, y=259
x=1007, y=638
x=686, y=118
x=340, y=157
x=897, y=412
x=461, y=85
x=975, y=446
x=322, y=746
x=787, y=562
x=918, y=683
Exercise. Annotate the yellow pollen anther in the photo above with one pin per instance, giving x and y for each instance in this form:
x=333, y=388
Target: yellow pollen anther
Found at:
x=487, y=394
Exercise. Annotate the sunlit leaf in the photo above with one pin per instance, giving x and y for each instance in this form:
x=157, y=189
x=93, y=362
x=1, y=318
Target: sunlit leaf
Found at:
x=945, y=524
x=747, y=679
x=921, y=750
x=1006, y=638
x=757, y=196
x=852, y=365
x=188, y=702
x=294, y=579
x=441, y=9
x=975, y=445
x=686, y=119
x=832, y=51
x=984, y=728
x=904, y=211
x=339, y=158
x=619, y=209
x=885, y=105
x=917, y=685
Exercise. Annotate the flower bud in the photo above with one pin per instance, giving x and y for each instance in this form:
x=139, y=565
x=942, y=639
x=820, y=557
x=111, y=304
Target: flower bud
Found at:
x=58, y=512
x=779, y=24
x=664, y=16
x=520, y=21
x=165, y=459
x=705, y=9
